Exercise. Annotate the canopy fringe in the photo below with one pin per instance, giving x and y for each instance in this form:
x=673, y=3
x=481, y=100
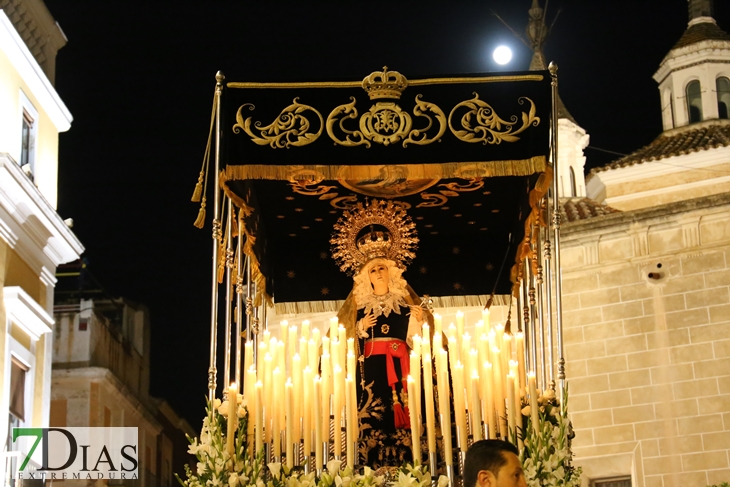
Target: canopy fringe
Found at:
x=333, y=306
x=464, y=170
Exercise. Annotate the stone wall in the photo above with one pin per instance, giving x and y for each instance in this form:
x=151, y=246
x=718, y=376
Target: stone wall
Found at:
x=646, y=316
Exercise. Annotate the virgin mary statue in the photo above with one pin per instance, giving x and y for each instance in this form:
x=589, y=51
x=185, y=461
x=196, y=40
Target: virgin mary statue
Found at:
x=374, y=242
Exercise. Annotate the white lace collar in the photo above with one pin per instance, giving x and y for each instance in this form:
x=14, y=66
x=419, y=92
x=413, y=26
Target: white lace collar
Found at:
x=382, y=305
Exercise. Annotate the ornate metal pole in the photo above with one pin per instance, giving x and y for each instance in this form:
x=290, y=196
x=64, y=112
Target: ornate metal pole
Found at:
x=556, y=228
x=239, y=302
x=212, y=371
x=229, y=292
x=539, y=283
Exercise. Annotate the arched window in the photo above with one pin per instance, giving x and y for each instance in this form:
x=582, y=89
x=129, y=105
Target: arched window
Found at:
x=723, y=96
x=694, y=101
x=573, y=189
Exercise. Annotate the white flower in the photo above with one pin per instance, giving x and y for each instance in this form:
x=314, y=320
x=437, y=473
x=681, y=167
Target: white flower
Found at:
x=443, y=481
x=216, y=403
x=233, y=479
x=241, y=412
x=333, y=466
x=275, y=468
x=223, y=409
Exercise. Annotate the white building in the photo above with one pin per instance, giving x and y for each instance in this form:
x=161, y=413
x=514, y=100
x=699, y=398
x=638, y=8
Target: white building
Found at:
x=34, y=239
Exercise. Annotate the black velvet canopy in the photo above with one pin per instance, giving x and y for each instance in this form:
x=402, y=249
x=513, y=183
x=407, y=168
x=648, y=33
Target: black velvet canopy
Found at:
x=462, y=154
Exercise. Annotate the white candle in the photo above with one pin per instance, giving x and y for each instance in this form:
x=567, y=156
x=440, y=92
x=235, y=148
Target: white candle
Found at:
x=349, y=427
x=318, y=415
x=428, y=391
x=333, y=327
x=459, y=323
x=446, y=418
x=337, y=400
x=486, y=318
x=476, y=412
x=533, y=401
x=520, y=351
x=276, y=423
x=289, y=425
x=305, y=330
x=307, y=385
x=511, y=413
x=415, y=423
x=488, y=399
x=259, y=417
x=437, y=327
x=232, y=419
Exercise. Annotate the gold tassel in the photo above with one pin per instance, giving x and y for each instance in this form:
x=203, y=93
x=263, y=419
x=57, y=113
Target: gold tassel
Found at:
x=234, y=228
x=198, y=192
x=200, y=221
x=221, y=261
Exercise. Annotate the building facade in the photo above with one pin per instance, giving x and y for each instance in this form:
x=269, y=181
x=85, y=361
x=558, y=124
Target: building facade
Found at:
x=101, y=371
x=646, y=290
x=34, y=240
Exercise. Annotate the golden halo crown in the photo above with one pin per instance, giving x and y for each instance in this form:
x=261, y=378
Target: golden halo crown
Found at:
x=385, y=84
x=397, y=241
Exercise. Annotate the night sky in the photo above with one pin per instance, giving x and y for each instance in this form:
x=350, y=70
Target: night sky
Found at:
x=138, y=78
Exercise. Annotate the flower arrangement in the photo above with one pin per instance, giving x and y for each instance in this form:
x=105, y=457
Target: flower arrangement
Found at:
x=216, y=467
x=546, y=457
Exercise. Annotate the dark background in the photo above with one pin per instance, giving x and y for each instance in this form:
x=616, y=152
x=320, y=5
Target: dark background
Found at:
x=138, y=78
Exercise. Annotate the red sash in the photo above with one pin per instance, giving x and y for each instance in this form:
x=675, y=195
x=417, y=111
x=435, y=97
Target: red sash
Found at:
x=391, y=349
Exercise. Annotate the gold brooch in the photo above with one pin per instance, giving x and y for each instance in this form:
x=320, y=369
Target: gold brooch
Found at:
x=385, y=329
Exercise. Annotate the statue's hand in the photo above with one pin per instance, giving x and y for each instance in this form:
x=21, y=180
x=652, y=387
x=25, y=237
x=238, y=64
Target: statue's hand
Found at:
x=417, y=313
x=368, y=321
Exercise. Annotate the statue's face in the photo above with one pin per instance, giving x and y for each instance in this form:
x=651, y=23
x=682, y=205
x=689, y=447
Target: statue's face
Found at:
x=378, y=274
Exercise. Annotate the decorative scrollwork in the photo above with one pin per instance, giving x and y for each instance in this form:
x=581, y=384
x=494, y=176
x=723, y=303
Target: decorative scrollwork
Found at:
x=347, y=110
x=481, y=124
x=433, y=200
x=420, y=110
x=385, y=123
x=471, y=185
x=290, y=129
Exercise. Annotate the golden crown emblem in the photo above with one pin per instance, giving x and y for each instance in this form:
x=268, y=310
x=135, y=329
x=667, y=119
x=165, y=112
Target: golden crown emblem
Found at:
x=374, y=244
x=385, y=84
x=394, y=239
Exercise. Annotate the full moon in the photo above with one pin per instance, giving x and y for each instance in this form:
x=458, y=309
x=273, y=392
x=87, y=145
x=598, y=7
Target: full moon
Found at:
x=502, y=55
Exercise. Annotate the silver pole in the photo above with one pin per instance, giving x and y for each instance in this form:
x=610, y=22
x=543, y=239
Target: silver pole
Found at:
x=212, y=371
x=239, y=301
x=229, y=297
x=539, y=283
x=556, y=228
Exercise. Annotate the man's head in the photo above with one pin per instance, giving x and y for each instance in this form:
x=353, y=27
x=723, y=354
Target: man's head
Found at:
x=493, y=463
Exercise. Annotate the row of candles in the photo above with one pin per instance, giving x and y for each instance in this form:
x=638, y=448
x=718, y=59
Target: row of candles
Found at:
x=303, y=381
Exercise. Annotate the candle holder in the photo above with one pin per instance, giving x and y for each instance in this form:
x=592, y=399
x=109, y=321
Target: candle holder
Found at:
x=267, y=459
x=433, y=466
x=450, y=475
x=462, y=457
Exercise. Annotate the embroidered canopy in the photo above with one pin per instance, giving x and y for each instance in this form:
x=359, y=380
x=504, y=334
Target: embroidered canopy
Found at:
x=466, y=156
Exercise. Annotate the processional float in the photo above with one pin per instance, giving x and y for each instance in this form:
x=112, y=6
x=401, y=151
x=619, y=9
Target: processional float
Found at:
x=471, y=160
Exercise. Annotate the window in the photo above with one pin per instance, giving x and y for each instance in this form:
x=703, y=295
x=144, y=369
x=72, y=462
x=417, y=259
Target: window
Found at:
x=573, y=189
x=17, y=388
x=28, y=133
x=722, y=85
x=612, y=482
x=694, y=101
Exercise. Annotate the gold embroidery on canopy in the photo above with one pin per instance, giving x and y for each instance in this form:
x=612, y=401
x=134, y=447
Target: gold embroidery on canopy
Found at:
x=481, y=123
x=291, y=128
